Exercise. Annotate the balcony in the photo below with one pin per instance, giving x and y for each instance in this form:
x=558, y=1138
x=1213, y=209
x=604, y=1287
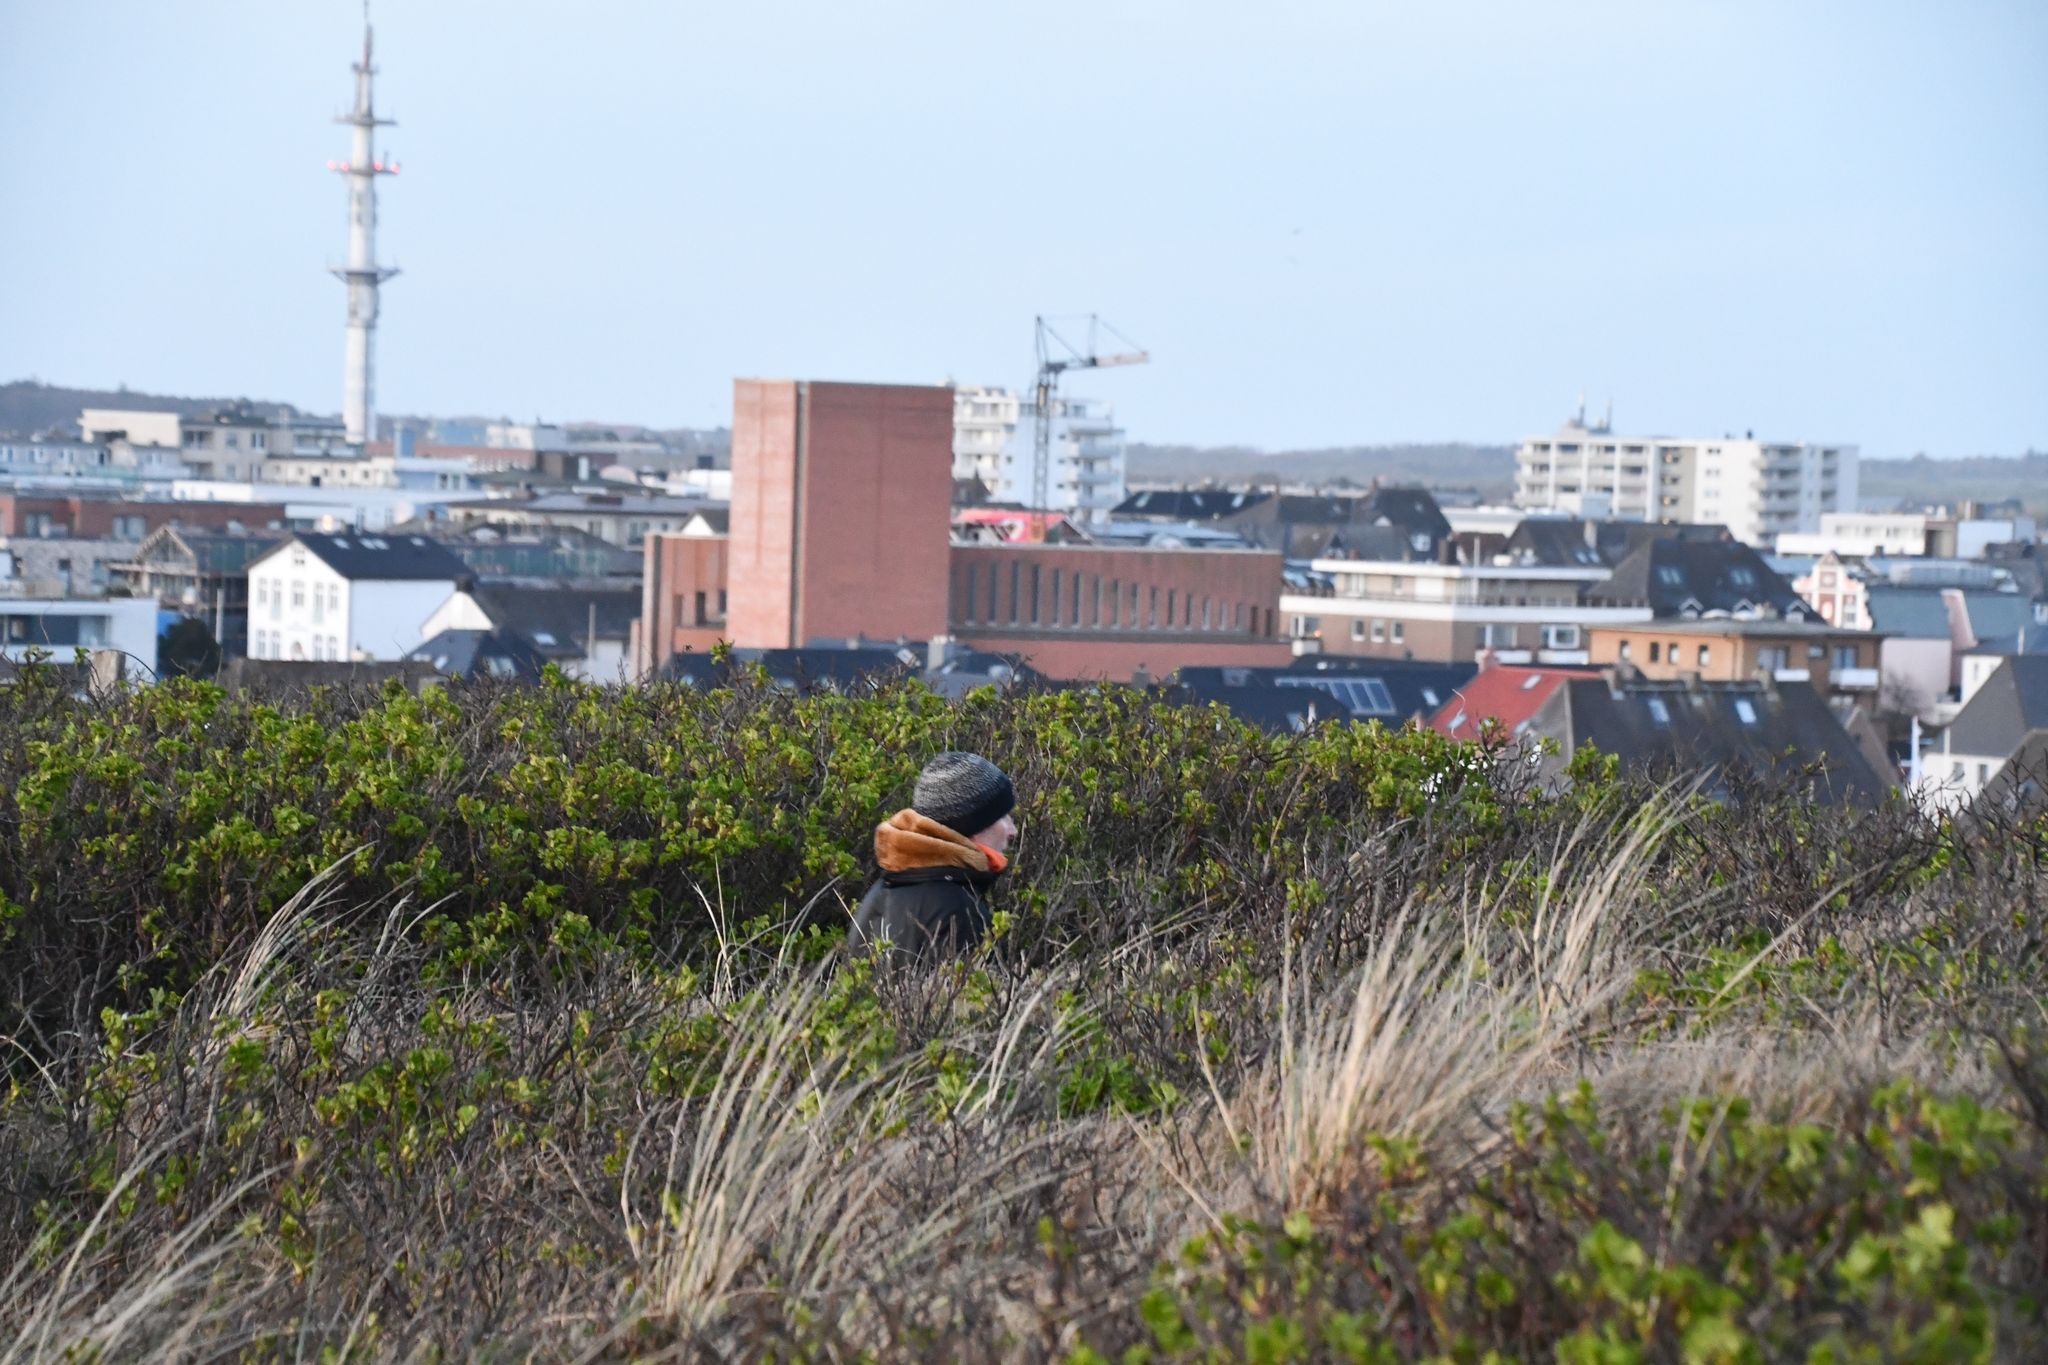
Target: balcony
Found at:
x=1855, y=679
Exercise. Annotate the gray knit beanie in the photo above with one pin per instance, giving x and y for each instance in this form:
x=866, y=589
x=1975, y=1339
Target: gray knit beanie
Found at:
x=964, y=792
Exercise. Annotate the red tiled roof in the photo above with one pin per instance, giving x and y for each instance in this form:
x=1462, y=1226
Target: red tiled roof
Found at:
x=1502, y=693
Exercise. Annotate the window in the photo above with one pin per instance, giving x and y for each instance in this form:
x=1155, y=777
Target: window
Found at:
x=1397, y=632
x=1774, y=657
x=1659, y=712
x=1745, y=710
x=130, y=528
x=1626, y=650
x=1358, y=630
x=1845, y=657
x=1983, y=773
x=1561, y=637
x=298, y=594
x=1379, y=631
x=1654, y=654
x=1671, y=575
x=1705, y=655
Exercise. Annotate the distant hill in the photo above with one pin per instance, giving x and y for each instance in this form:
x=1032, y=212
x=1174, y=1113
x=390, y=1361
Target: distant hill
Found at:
x=28, y=407
x=1985, y=478
x=1490, y=469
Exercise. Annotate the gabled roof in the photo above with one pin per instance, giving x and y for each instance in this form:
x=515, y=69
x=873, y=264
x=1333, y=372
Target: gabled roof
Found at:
x=377, y=558
x=1392, y=691
x=2010, y=704
x=204, y=552
x=1566, y=542
x=718, y=518
x=1188, y=504
x=1661, y=728
x=1922, y=613
x=1677, y=576
x=482, y=654
x=1414, y=510
x=555, y=617
x=1506, y=695
x=2031, y=638
x=1909, y=613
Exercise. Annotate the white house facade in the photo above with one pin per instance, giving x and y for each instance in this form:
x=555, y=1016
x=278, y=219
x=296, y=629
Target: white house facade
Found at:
x=347, y=597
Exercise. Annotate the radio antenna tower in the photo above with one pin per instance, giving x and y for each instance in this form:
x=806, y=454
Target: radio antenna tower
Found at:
x=362, y=274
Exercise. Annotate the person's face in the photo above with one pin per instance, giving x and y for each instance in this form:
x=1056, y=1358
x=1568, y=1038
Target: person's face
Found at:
x=998, y=835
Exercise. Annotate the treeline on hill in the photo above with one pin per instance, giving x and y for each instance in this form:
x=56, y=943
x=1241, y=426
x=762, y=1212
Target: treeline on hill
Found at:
x=501, y=1023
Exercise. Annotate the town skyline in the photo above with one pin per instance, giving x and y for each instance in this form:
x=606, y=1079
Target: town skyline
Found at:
x=1837, y=240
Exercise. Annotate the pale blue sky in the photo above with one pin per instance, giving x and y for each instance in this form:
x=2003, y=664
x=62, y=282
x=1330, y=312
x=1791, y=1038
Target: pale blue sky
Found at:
x=1331, y=222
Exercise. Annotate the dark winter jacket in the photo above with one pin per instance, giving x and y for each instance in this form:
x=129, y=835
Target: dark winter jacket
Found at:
x=931, y=899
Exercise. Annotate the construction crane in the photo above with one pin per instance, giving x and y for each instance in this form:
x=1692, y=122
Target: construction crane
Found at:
x=1057, y=355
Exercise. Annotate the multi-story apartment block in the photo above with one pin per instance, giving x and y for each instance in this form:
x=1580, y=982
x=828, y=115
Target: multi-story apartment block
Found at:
x=993, y=435
x=1401, y=609
x=1757, y=489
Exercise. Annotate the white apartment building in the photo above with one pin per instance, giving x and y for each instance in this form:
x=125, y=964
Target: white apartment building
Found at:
x=73, y=464
x=1759, y=490
x=1859, y=535
x=356, y=597
x=1447, y=613
x=993, y=436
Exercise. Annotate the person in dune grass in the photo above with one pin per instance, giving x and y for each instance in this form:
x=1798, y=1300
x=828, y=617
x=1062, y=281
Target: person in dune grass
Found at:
x=939, y=857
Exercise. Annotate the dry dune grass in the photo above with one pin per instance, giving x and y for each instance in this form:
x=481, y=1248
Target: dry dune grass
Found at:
x=337, y=1148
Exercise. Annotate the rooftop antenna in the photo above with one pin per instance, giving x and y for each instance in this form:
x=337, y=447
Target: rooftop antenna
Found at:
x=1582, y=407
x=1607, y=423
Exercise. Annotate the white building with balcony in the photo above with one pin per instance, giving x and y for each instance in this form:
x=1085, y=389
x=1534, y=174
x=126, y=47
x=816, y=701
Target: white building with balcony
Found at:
x=56, y=628
x=1447, y=613
x=1759, y=490
x=993, y=432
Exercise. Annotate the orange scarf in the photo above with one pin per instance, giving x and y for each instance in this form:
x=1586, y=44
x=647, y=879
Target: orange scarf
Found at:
x=907, y=840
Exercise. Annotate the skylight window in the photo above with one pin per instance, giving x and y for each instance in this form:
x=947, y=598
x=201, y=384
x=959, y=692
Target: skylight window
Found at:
x=1531, y=681
x=1671, y=575
x=1745, y=710
x=1659, y=712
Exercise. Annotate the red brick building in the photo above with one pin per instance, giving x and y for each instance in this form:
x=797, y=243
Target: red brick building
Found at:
x=841, y=503
x=1085, y=611
x=83, y=517
x=682, y=599
x=840, y=530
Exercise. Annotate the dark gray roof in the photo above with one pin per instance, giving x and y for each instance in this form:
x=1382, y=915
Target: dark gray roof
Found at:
x=1677, y=576
x=1391, y=691
x=1996, y=614
x=2010, y=704
x=555, y=617
x=382, y=558
x=1910, y=613
x=610, y=504
x=1189, y=504
x=1661, y=728
x=1567, y=542
x=482, y=654
x=718, y=516
x=2031, y=638
x=1922, y=613
x=1414, y=510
